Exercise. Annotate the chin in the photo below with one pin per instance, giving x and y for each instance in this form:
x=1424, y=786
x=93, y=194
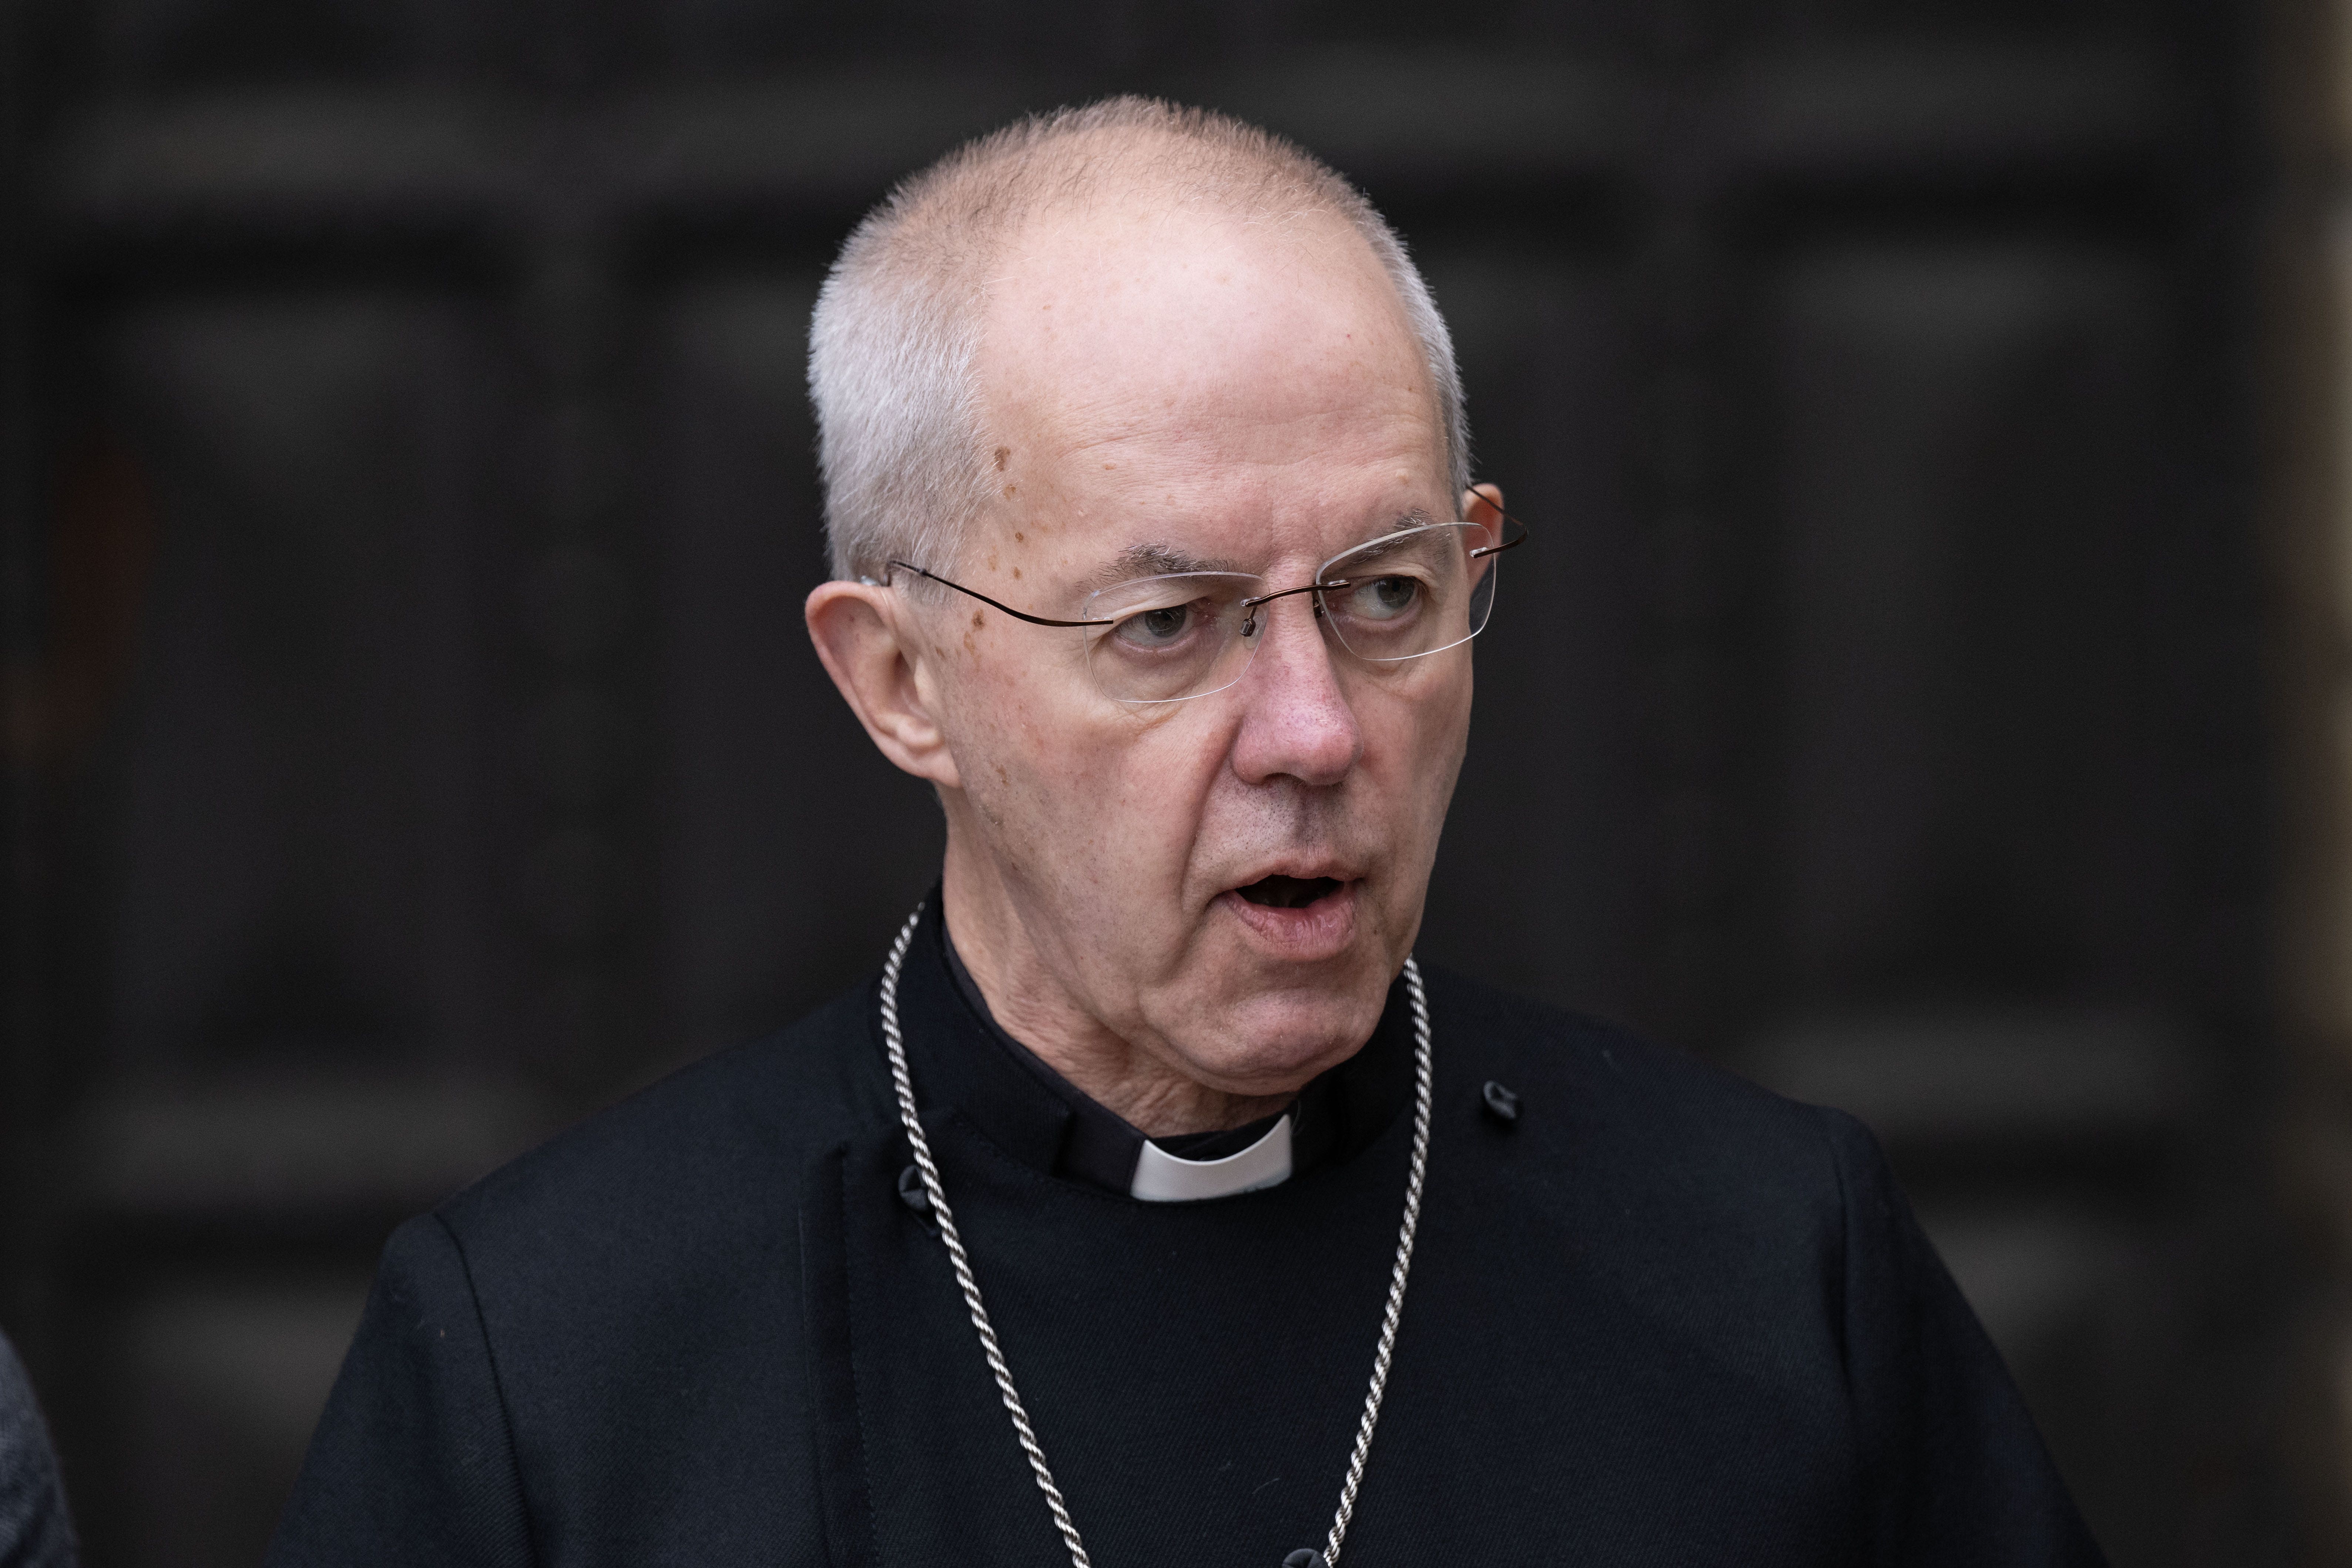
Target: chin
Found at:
x=1279, y=1040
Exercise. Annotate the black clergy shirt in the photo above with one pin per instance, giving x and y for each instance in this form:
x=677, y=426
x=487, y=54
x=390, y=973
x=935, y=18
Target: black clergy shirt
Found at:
x=1098, y=1146
x=1662, y=1317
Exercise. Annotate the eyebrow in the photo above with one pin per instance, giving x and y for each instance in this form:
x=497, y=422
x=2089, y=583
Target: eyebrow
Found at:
x=1403, y=522
x=1166, y=561
x=1155, y=561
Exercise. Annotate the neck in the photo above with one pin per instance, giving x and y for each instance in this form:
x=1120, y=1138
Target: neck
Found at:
x=1035, y=1006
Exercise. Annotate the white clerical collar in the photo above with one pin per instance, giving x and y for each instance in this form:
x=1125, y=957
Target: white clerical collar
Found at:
x=1163, y=1178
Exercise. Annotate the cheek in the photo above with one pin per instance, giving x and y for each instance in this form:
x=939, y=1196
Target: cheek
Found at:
x=993, y=720
x=1413, y=751
x=1143, y=795
x=1172, y=783
x=1419, y=737
x=1077, y=794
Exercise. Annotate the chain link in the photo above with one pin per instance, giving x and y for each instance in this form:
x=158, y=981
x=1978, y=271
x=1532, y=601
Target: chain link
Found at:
x=903, y=1081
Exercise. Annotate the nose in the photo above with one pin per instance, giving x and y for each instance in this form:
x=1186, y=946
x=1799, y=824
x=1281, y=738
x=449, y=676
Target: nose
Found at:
x=1295, y=721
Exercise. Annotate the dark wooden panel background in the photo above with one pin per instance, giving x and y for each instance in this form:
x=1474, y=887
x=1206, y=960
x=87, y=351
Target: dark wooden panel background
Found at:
x=412, y=743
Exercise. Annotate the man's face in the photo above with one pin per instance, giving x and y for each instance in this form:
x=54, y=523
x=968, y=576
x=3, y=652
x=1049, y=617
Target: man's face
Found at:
x=1249, y=395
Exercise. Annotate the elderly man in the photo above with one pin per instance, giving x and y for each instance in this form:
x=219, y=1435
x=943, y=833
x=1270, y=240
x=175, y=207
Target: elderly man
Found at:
x=1152, y=1202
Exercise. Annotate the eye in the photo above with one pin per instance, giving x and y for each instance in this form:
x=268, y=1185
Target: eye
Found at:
x=1155, y=628
x=1384, y=598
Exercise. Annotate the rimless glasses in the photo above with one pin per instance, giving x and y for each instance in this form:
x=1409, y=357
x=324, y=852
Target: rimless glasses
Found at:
x=1178, y=635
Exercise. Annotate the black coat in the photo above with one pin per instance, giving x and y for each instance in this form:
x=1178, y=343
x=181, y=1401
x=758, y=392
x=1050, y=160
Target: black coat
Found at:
x=1665, y=1317
x=35, y=1529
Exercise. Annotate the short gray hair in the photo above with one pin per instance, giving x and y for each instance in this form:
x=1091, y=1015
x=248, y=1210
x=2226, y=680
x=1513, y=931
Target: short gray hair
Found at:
x=898, y=323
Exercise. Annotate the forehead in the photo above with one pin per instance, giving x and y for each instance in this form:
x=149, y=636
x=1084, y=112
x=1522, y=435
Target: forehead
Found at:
x=1175, y=352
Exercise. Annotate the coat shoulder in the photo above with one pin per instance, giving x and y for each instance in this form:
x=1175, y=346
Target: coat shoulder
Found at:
x=687, y=1158
x=1605, y=1092
x=607, y=1327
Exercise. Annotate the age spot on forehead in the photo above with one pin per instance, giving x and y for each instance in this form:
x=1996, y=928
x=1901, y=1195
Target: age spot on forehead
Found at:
x=1011, y=490
x=1018, y=538
x=1002, y=454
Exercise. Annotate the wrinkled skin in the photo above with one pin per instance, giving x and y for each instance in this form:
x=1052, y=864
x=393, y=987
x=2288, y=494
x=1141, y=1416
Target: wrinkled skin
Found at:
x=1241, y=392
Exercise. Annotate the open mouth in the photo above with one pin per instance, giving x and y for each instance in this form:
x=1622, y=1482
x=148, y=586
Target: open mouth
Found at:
x=1288, y=892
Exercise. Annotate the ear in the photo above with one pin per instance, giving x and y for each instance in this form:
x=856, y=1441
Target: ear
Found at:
x=1483, y=504
x=877, y=659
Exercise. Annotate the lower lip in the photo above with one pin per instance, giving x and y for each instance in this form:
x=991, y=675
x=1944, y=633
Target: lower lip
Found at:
x=1320, y=930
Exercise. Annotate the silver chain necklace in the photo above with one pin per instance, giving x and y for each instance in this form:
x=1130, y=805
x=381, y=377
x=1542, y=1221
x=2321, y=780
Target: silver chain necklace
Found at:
x=961, y=1260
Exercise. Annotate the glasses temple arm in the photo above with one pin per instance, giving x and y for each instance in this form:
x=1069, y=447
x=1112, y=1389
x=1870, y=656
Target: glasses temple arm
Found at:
x=992, y=604
x=1507, y=543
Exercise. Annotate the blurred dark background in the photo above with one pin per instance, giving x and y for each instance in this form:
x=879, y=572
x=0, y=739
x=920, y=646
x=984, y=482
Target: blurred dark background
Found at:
x=411, y=741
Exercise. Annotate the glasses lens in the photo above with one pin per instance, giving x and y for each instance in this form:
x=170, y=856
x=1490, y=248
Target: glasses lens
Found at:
x=1170, y=637
x=1412, y=594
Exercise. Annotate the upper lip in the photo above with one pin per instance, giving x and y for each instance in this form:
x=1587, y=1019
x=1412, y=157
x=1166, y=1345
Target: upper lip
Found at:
x=1304, y=870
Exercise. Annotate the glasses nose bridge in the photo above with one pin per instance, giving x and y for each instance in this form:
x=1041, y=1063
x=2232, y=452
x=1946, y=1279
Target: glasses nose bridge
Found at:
x=1257, y=612
x=1253, y=609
